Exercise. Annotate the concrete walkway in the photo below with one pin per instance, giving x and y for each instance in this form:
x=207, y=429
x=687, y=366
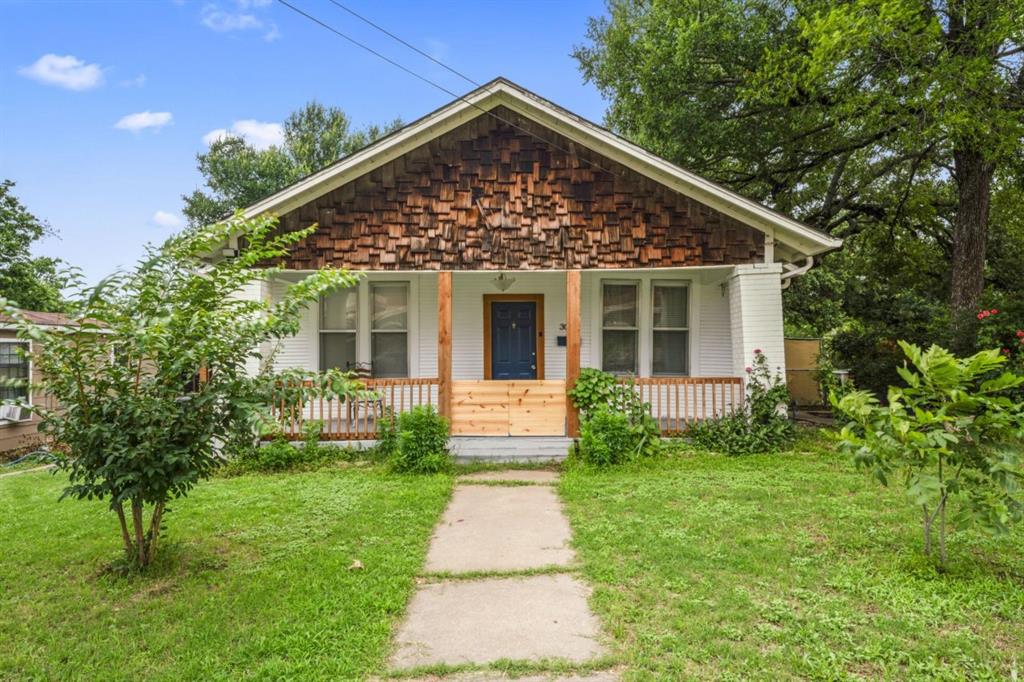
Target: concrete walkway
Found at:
x=498, y=583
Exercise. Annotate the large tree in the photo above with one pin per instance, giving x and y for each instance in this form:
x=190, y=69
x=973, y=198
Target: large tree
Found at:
x=238, y=174
x=31, y=282
x=854, y=116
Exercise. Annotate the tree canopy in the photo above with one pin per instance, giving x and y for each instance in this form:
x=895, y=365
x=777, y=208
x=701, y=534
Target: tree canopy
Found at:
x=894, y=124
x=30, y=282
x=237, y=174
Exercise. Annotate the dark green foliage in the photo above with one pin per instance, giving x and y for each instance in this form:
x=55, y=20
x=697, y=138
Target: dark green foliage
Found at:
x=761, y=426
x=888, y=124
x=422, y=442
x=136, y=426
x=615, y=424
x=29, y=282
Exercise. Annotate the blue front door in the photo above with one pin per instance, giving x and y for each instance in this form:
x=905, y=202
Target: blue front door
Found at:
x=513, y=340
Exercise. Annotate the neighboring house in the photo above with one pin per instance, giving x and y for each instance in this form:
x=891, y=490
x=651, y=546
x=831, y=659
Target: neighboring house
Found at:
x=18, y=426
x=506, y=244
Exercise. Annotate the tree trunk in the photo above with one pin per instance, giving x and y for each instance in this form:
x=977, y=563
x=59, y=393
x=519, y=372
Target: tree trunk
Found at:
x=154, y=531
x=942, y=531
x=927, y=525
x=970, y=239
x=119, y=508
x=140, y=542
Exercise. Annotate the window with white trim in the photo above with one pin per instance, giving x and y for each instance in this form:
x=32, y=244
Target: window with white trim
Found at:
x=620, y=330
x=14, y=364
x=389, y=329
x=339, y=322
x=670, y=328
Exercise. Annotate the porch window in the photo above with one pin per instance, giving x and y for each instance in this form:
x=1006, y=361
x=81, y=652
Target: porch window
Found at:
x=389, y=329
x=670, y=329
x=339, y=318
x=619, y=327
x=13, y=365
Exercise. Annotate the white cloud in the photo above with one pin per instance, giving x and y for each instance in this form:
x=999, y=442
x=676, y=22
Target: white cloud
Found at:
x=216, y=18
x=259, y=134
x=144, y=119
x=66, y=72
x=136, y=82
x=166, y=220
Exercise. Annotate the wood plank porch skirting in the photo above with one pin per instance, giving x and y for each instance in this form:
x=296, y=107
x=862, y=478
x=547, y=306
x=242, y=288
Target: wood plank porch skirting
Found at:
x=506, y=408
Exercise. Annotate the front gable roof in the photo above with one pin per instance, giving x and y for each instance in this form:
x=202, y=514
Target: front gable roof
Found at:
x=794, y=238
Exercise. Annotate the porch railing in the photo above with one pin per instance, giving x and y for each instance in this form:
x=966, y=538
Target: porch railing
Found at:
x=677, y=401
x=356, y=419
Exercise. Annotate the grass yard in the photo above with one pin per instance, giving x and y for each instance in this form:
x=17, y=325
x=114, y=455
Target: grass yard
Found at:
x=253, y=581
x=789, y=566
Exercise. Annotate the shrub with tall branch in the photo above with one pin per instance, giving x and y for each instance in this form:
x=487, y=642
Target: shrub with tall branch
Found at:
x=150, y=372
x=953, y=431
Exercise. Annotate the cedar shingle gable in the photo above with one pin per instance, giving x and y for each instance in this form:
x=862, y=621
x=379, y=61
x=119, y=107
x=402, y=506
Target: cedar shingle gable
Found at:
x=487, y=196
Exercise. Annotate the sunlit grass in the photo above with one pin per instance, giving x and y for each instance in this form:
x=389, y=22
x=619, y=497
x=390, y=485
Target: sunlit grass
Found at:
x=254, y=579
x=788, y=566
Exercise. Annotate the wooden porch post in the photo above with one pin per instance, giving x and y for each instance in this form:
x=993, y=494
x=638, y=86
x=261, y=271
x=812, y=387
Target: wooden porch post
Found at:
x=572, y=350
x=444, y=343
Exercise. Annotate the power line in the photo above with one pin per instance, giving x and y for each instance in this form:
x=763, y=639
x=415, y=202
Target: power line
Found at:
x=409, y=45
x=440, y=87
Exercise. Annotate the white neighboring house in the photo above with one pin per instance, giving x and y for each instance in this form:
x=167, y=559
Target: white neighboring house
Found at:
x=506, y=243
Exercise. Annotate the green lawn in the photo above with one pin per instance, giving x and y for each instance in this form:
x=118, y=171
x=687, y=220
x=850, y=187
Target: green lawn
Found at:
x=254, y=579
x=788, y=566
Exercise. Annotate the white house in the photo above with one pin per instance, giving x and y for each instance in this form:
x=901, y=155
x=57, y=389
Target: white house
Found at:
x=507, y=243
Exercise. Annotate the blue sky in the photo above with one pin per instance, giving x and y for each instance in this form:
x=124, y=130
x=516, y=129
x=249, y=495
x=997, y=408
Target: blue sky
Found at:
x=104, y=105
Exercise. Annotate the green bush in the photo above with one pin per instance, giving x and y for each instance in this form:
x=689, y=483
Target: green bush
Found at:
x=609, y=437
x=615, y=424
x=422, y=442
x=761, y=426
x=281, y=455
x=954, y=432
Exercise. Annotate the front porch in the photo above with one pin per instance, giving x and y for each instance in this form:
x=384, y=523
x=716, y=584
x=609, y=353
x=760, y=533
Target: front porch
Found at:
x=496, y=353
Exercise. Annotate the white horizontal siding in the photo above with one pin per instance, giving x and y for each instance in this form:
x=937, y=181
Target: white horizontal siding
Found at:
x=302, y=350
x=426, y=343
x=715, y=334
x=468, y=291
x=755, y=299
x=713, y=328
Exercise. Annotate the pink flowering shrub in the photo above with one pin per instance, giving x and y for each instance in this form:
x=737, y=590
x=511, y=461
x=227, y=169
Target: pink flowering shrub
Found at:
x=1004, y=331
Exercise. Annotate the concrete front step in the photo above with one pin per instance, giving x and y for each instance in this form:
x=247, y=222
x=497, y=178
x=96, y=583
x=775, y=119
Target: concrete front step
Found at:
x=510, y=448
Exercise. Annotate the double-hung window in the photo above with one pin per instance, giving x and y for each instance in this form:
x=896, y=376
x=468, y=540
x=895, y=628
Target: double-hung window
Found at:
x=620, y=330
x=389, y=329
x=339, y=320
x=14, y=365
x=670, y=329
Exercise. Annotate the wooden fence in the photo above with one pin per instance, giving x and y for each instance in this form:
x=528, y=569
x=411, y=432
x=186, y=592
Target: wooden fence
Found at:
x=356, y=419
x=677, y=401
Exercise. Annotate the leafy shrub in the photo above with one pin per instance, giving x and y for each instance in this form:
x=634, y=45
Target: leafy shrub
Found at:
x=616, y=424
x=280, y=455
x=762, y=425
x=422, y=442
x=953, y=431
x=608, y=437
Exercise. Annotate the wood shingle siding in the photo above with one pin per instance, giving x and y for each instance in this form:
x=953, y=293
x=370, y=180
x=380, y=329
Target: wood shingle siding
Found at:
x=487, y=196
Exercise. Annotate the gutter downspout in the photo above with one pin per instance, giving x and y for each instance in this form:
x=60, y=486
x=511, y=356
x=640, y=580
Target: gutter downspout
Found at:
x=793, y=271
